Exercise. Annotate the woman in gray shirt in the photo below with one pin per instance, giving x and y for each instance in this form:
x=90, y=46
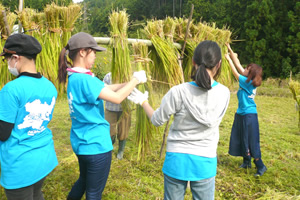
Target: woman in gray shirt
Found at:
x=198, y=108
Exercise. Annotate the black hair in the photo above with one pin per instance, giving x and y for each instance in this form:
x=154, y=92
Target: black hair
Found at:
x=207, y=55
x=63, y=62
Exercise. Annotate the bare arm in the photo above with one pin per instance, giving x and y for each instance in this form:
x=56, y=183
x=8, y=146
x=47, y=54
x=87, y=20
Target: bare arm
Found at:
x=116, y=87
x=118, y=96
x=235, y=59
x=234, y=71
x=148, y=109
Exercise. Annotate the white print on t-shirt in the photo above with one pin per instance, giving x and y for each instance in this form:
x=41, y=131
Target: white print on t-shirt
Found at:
x=38, y=113
x=253, y=94
x=70, y=101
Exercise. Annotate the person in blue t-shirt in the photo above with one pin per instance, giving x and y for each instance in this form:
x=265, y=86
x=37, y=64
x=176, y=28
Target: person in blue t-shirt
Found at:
x=26, y=107
x=198, y=108
x=90, y=132
x=244, y=139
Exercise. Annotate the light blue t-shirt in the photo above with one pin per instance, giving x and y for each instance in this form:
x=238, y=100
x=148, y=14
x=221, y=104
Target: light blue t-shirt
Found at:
x=90, y=132
x=28, y=155
x=188, y=167
x=246, y=96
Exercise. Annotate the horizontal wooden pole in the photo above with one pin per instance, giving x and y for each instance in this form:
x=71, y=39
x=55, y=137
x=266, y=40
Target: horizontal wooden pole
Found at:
x=106, y=40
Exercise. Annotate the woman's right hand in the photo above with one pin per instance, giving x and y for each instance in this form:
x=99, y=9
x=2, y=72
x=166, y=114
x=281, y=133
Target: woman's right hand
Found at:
x=140, y=76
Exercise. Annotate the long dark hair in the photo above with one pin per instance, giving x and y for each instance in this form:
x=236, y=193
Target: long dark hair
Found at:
x=63, y=62
x=206, y=55
x=254, y=74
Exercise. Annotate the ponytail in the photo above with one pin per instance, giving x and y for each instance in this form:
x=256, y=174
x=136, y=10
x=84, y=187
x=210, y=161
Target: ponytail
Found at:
x=202, y=77
x=63, y=62
x=62, y=65
x=207, y=55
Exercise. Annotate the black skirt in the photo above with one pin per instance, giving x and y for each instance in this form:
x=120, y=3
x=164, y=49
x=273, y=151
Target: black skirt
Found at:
x=245, y=136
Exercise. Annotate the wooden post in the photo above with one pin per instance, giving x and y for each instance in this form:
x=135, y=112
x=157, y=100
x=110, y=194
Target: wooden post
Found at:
x=7, y=31
x=20, y=10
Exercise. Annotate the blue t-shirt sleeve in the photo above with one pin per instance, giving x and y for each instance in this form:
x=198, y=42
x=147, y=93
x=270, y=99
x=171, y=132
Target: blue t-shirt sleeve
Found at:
x=8, y=106
x=91, y=89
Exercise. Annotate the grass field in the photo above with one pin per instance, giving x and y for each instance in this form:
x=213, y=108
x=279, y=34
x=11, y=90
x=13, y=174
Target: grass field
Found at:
x=130, y=179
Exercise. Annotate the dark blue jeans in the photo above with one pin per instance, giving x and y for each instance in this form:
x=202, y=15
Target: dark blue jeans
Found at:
x=94, y=170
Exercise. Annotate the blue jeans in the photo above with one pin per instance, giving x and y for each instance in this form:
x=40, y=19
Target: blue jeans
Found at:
x=175, y=189
x=94, y=170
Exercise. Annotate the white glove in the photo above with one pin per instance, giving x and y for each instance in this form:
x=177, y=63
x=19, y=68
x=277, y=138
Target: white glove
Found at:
x=138, y=97
x=140, y=76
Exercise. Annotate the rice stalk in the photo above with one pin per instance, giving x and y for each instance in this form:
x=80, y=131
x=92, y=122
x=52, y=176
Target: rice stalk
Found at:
x=144, y=128
x=121, y=66
x=10, y=18
x=198, y=33
x=294, y=87
x=68, y=16
x=164, y=54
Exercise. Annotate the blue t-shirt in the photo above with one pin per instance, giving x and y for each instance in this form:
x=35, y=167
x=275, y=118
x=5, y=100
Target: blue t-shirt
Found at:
x=90, y=132
x=246, y=96
x=28, y=155
x=188, y=167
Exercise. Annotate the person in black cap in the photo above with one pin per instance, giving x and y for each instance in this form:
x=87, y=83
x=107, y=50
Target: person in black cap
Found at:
x=26, y=107
x=90, y=135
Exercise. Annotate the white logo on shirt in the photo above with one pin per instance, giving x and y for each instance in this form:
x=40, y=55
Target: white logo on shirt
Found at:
x=38, y=113
x=253, y=94
x=70, y=101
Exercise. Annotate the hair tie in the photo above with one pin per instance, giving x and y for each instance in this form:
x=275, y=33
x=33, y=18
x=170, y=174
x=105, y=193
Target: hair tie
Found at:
x=202, y=64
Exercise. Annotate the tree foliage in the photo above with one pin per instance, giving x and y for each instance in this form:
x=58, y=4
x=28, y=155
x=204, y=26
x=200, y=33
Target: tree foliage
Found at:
x=266, y=32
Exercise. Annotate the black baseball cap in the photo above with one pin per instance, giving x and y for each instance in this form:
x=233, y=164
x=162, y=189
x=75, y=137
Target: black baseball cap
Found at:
x=83, y=40
x=21, y=44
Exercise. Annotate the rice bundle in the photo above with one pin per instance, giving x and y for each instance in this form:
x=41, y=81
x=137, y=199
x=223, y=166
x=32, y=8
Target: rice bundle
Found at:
x=200, y=32
x=52, y=13
x=10, y=19
x=30, y=19
x=68, y=16
x=295, y=89
x=144, y=129
x=52, y=28
x=164, y=54
x=121, y=66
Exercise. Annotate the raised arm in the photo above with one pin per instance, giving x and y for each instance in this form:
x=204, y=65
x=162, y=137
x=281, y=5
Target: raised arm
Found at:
x=234, y=71
x=235, y=59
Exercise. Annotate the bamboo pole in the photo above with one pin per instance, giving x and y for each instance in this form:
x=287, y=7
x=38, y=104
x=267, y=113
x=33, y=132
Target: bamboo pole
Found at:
x=107, y=40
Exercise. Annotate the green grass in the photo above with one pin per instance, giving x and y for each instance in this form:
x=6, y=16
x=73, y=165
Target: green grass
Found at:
x=130, y=179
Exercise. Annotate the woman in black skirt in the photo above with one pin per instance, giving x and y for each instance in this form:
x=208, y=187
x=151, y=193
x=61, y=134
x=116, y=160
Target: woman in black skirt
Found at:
x=244, y=140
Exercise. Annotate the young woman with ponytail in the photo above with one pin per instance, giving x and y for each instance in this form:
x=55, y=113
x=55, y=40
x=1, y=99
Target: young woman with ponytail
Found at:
x=198, y=108
x=90, y=135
